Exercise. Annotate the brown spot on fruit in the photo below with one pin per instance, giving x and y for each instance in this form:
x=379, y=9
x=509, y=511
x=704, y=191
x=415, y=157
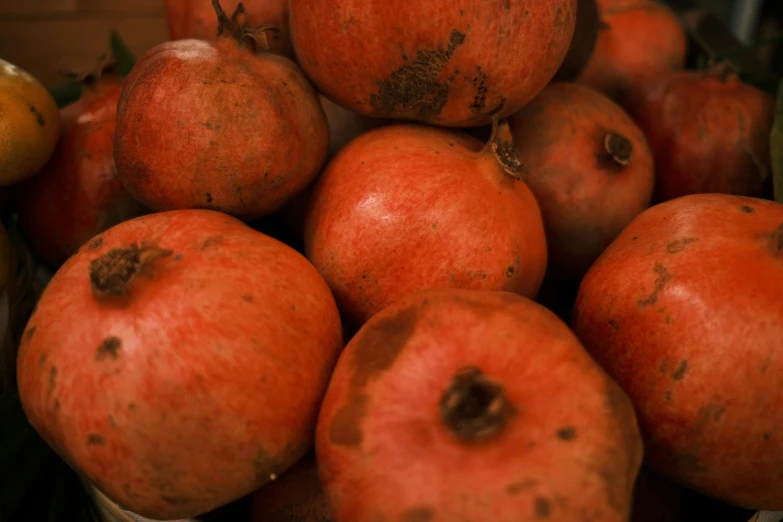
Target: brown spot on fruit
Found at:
x=345, y=428
x=660, y=283
x=414, y=91
x=96, y=243
x=567, y=433
x=775, y=239
x=131, y=406
x=419, y=514
x=95, y=439
x=614, y=324
x=747, y=210
x=209, y=197
x=518, y=487
x=679, y=373
x=211, y=241
x=30, y=332
x=247, y=298
x=767, y=436
x=112, y=273
x=480, y=83
x=38, y=116
x=668, y=396
x=52, y=380
x=109, y=348
x=381, y=343
x=680, y=244
x=543, y=507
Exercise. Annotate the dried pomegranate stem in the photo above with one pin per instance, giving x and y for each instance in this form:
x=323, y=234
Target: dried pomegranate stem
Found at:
x=238, y=28
x=112, y=273
x=619, y=148
x=474, y=406
x=94, y=73
x=501, y=145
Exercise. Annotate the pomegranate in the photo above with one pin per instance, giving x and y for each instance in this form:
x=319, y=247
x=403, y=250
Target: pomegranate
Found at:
x=297, y=496
x=78, y=194
x=709, y=133
x=444, y=62
x=196, y=19
x=409, y=207
x=583, y=42
x=638, y=40
x=178, y=361
x=590, y=169
x=256, y=133
x=474, y=405
x=683, y=310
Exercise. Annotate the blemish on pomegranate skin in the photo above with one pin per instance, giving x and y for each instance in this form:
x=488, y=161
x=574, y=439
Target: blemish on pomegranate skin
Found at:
x=510, y=271
x=96, y=243
x=660, y=283
x=109, y=348
x=518, y=487
x=131, y=406
x=211, y=241
x=381, y=343
x=543, y=507
x=94, y=439
x=345, y=428
x=668, y=396
x=747, y=210
x=567, y=433
x=614, y=325
x=30, y=333
x=679, y=245
x=247, y=298
x=209, y=197
x=52, y=380
x=767, y=436
x=679, y=373
x=419, y=514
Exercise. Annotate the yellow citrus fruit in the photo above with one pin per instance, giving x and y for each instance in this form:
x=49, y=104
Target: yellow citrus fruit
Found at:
x=29, y=124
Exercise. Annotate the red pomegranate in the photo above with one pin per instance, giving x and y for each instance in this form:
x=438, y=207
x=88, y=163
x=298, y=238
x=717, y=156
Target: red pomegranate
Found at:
x=638, y=40
x=590, y=169
x=196, y=19
x=215, y=125
x=709, y=133
x=409, y=207
x=296, y=496
x=445, y=62
x=178, y=361
x=474, y=405
x=78, y=194
x=684, y=311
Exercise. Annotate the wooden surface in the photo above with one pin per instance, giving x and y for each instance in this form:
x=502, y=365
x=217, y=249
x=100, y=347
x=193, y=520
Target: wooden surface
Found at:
x=48, y=36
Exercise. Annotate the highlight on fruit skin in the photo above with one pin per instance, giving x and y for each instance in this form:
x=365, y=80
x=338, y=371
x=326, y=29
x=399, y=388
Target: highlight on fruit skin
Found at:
x=474, y=405
x=684, y=311
x=30, y=126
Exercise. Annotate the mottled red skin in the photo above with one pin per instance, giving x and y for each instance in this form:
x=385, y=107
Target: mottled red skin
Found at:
x=586, y=197
x=211, y=125
x=638, y=40
x=384, y=452
x=709, y=134
x=225, y=350
x=404, y=60
x=409, y=207
x=684, y=311
x=196, y=19
x=296, y=496
x=78, y=194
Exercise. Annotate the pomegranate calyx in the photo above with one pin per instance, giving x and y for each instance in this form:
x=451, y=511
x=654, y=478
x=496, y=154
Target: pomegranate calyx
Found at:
x=112, y=273
x=474, y=406
x=619, y=148
x=92, y=75
x=238, y=28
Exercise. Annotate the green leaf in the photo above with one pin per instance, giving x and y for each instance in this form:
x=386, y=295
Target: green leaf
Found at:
x=123, y=56
x=66, y=93
x=776, y=147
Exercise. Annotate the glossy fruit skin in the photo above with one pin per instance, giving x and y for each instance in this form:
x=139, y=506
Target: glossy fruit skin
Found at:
x=191, y=390
x=196, y=19
x=448, y=63
x=78, y=194
x=683, y=310
x=571, y=451
x=296, y=496
x=709, y=133
x=638, y=40
x=257, y=134
x=408, y=207
x=29, y=127
x=586, y=196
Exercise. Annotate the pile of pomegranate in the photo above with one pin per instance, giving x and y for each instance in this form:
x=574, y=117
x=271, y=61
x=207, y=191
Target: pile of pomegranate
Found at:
x=434, y=261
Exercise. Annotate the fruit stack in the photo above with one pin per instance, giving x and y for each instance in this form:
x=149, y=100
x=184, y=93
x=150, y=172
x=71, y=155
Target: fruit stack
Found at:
x=408, y=261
